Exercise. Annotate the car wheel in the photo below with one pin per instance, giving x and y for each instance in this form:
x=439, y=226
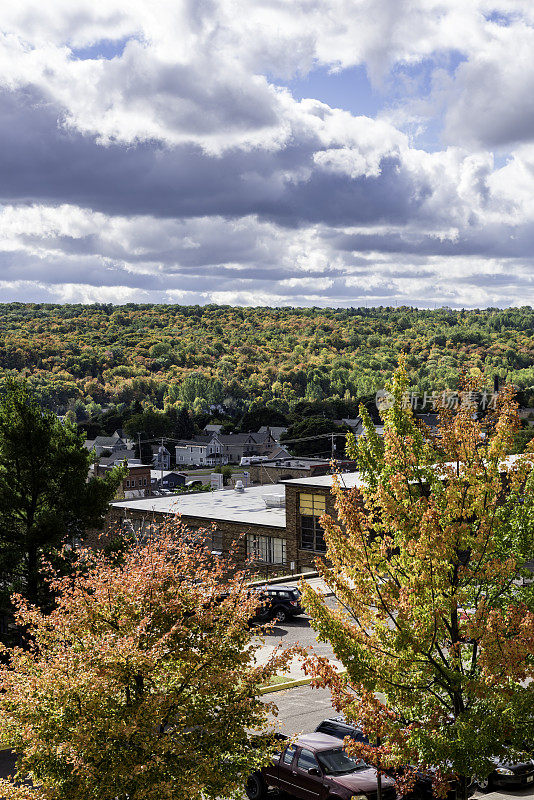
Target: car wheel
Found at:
x=255, y=787
x=484, y=784
x=280, y=615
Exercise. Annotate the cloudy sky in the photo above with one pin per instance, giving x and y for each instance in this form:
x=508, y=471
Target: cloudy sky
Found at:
x=267, y=152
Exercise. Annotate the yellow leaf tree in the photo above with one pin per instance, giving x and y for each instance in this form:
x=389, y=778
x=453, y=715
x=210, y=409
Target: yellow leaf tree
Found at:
x=433, y=625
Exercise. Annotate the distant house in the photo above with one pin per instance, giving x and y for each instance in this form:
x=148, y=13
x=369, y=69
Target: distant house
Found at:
x=195, y=451
x=171, y=480
x=217, y=448
x=161, y=457
x=118, y=458
x=212, y=429
x=356, y=426
x=113, y=443
x=275, y=430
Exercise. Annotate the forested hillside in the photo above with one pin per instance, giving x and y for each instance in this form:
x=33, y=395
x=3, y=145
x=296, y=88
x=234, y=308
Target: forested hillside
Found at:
x=81, y=357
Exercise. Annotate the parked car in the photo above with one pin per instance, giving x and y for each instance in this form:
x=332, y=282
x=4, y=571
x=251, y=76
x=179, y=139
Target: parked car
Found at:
x=340, y=728
x=277, y=603
x=315, y=767
x=507, y=775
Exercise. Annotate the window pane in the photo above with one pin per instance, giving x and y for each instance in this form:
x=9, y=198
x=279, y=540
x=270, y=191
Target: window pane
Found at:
x=319, y=504
x=306, y=539
x=306, y=760
x=288, y=754
x=320, y=543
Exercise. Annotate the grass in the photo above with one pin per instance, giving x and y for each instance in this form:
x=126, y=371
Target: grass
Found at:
x=275, y=680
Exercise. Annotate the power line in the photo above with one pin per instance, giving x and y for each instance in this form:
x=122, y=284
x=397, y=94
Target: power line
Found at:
x=239, y=446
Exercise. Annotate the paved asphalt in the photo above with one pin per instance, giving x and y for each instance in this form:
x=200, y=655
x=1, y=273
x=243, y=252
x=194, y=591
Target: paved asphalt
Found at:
x=300, y=710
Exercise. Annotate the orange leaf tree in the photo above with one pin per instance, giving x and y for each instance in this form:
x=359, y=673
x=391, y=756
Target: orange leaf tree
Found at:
x=141, y=683
x=433, y=626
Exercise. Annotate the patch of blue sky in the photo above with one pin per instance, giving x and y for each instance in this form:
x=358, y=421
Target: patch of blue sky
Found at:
x=103, y=49
x=348, y=89
x=500, y=18
x=416, y=79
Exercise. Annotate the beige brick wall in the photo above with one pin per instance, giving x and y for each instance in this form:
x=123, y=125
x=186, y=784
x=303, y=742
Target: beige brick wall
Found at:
x=237, y=531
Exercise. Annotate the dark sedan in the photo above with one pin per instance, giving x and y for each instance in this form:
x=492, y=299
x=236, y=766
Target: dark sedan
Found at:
x=508, y=775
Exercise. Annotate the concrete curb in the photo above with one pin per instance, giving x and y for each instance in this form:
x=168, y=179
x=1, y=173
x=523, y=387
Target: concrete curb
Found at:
x=285, y=578
x=279, y=687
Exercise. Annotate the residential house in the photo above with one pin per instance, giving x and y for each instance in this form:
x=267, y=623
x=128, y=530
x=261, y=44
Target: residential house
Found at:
x=275, y=430
x=161, y=457
x=171, y=480
x=216, y=449
x=195, y=452
x=212, y=428
x=118, y=458
x=113, y=444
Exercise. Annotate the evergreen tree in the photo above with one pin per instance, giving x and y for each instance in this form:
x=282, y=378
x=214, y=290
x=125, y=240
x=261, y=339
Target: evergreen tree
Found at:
x=45, y=498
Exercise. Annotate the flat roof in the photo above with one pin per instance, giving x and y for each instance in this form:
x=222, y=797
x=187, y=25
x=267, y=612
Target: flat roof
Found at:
x=348, y=480
x=225, y=505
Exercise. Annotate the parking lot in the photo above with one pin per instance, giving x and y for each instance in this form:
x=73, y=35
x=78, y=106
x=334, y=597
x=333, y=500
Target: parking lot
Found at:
x=302, y=708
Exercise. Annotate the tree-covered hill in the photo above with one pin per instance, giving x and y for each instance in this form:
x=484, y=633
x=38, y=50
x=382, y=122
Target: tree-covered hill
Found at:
x=105, y=354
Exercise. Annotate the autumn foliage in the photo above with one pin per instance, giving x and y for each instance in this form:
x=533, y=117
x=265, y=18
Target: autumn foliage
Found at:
x=142, y=683
x=434, y=624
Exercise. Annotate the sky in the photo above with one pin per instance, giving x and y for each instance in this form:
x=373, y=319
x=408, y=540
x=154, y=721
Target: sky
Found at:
x=267, y=152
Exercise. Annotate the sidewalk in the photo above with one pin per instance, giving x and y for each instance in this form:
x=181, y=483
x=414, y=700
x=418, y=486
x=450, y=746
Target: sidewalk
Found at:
x=316, y=583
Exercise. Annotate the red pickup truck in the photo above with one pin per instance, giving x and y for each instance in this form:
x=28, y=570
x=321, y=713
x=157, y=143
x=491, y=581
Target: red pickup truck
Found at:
x=316, y=767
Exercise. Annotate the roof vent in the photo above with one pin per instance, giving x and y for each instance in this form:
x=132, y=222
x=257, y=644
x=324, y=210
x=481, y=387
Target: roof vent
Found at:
x=274, y=500
x=239, y=486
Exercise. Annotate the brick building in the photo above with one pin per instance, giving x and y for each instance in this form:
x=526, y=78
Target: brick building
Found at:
x=277, y=525
x=137, y=482
x=286, y=468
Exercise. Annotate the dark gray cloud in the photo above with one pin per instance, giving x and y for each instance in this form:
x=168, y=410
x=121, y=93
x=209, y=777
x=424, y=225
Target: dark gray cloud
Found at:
x=40, y=161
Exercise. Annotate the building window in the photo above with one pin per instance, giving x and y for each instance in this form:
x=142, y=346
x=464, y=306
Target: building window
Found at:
x=268, y=549
x=144, y=481
x=312, y=507
x=216, y=541
x=127, y=484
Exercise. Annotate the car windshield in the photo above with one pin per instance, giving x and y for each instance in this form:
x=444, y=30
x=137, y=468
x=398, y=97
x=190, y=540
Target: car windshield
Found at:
x=337, y=762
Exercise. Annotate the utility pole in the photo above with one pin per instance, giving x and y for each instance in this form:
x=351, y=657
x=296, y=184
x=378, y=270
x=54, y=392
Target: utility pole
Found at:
x=333, y=446
x=161, y=462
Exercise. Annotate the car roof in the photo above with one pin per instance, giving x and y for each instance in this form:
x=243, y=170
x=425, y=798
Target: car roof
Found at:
x=342, y=722
x=277, y=588
x=318, y=741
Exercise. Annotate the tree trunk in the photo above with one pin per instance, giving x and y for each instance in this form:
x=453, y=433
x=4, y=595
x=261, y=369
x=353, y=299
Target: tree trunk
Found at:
x=378, y=775
x=463, y=783
x=31, y=571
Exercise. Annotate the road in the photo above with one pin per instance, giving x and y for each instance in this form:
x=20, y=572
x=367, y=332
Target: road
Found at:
x=300, y=710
